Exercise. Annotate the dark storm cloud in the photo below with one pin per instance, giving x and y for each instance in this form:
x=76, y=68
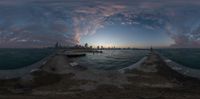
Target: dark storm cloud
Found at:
x=34, y=23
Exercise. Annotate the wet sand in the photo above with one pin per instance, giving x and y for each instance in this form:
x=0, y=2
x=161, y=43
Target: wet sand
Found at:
x=152, y=79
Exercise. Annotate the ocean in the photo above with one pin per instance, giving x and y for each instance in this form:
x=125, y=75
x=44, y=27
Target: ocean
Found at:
x=18, y=58
x=186, y=57
x=112, y=59
x=108, y=60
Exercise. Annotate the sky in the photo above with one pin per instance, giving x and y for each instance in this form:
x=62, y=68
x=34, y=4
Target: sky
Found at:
x=119, y=23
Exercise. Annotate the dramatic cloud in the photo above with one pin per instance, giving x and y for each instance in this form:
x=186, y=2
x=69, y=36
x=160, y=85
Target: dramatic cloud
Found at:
x=37, y=23
x=88, y=19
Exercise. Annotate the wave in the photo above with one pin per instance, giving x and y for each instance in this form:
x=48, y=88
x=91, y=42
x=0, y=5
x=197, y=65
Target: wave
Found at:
x=181, y=68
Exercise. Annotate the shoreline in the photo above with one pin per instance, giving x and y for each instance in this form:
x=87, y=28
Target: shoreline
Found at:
x=18, y=73
x=150, y=78
x=133, y=66
x=182, y=69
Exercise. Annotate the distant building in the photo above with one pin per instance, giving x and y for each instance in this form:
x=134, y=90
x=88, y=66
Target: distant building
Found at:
x=90, y=47
x=86, y=45
x=98, y=47
x=78, y=46
x=57, y=45
x=151, y=49
x=102, y=47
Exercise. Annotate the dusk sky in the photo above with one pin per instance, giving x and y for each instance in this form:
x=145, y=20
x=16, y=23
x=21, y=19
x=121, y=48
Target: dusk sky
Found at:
x=120, y=23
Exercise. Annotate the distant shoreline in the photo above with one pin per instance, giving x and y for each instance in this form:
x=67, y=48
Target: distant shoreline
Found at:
x=151, y=75
x=17, y=73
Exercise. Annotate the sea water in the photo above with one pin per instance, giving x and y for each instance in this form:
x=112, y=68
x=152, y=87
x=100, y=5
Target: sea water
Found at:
x=185, y=56
x=18, y=58
x=112, y=59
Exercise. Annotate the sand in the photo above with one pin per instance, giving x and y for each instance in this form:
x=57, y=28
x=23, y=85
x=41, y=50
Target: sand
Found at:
x=150, y=78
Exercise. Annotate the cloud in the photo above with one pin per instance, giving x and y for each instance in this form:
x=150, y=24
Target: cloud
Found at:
x=41, y=23
x=86, y=20
x=34, y=25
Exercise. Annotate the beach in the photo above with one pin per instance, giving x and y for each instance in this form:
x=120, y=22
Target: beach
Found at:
x=150, y=78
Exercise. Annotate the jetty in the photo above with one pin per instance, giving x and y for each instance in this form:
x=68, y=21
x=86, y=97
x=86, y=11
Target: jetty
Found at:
x=151, y=79
x=76, y=54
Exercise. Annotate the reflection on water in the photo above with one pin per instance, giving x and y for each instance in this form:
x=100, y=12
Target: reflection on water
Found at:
x=112, y=59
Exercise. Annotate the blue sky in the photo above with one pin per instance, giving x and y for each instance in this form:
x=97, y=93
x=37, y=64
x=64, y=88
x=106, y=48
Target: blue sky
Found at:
x=121, y=23
x=126, y=36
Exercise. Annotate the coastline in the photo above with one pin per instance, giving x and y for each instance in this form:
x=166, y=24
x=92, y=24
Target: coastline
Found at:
x=17, y=73
x=184, y=70
x=133, y=66
x=150, y=78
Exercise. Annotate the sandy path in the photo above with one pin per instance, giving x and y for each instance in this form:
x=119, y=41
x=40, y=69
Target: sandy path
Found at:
x=58, y=64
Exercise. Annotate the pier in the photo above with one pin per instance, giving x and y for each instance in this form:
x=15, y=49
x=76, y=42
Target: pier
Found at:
x=152, y=79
